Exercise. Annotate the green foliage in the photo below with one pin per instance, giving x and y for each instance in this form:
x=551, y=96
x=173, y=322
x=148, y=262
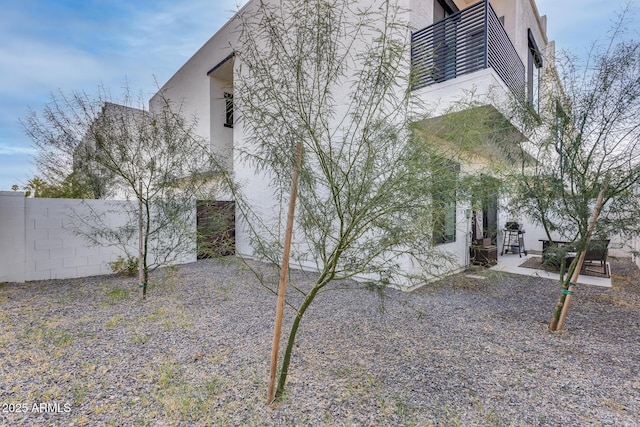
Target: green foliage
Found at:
x=99, y=146
x=72, y=186
x=586, y=139
x=333, y=77
x=125, y=266
x=364, y=200
x=35, y=187
x=585, y=143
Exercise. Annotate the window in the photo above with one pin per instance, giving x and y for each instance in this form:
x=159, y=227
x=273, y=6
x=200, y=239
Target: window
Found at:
x=534, y=65
x=445, y=176
x=442, y=9
x=228, y=110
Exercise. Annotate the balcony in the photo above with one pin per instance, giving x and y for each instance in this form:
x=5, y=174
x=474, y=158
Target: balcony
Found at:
x=464, y=42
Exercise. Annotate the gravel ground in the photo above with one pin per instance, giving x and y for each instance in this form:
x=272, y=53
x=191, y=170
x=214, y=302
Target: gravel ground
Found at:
x=464, y=351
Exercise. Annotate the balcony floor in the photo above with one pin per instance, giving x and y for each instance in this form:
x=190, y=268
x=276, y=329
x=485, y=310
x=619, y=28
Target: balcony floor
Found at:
x=510, y=263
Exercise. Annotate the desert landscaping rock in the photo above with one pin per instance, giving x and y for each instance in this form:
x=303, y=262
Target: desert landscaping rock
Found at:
x=468, y=350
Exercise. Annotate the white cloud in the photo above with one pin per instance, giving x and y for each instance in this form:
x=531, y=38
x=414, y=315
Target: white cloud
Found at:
x=48, y=48
x=177, y=30
x=576, y=24
x=31, y=66
x=11, y=150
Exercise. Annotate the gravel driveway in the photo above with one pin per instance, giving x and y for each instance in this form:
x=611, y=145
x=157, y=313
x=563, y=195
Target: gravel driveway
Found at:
x=463, y=351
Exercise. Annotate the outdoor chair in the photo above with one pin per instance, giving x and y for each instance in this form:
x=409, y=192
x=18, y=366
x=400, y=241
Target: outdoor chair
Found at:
x=597, y=252
x=554, y=251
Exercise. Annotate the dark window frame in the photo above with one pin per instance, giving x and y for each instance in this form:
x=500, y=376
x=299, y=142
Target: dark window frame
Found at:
x=228, y=110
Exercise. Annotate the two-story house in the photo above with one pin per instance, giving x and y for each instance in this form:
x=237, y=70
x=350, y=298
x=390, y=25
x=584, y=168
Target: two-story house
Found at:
x=493, y=49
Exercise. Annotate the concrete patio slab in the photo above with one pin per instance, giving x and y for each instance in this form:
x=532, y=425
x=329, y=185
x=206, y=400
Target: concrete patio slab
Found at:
x=510, y=263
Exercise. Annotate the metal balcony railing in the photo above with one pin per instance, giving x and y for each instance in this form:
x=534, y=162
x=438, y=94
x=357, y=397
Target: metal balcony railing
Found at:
x=466, y=41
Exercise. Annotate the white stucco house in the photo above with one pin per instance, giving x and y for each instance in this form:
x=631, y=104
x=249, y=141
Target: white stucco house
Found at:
x=493, y=48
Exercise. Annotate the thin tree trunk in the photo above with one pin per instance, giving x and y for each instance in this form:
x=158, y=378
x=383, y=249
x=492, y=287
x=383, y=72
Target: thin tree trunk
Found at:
x=284, y=271
x=564, y=302
x=145, y=251
x=286, y=360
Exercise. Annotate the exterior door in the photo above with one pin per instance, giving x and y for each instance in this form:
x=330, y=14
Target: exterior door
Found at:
x=485, y=214
x=216, y=228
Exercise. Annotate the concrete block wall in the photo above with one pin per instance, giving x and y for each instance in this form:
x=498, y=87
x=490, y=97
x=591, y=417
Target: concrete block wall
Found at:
x=52, y=249
x=12, y=236
x=37, y=240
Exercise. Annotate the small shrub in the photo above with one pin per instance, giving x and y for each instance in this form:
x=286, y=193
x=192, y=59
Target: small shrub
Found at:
x=125, y=267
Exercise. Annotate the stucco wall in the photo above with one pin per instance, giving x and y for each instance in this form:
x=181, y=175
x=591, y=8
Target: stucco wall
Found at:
x=202, y=94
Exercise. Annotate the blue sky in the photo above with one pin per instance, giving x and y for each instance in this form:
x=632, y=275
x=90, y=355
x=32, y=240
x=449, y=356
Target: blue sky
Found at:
x=69, y=45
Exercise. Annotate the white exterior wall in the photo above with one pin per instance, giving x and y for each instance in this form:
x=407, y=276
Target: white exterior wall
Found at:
x=421, y=14
x=202, y=96
x=487, y=88
x=485, y=85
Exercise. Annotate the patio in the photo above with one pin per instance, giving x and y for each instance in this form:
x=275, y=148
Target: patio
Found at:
x=510, y=263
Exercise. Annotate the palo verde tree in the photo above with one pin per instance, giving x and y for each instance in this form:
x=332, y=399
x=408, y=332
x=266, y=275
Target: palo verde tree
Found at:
x=149, y=156
x=583, y=183
x=324, y=98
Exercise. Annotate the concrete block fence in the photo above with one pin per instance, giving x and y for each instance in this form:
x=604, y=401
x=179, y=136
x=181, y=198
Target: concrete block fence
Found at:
x=37, y=241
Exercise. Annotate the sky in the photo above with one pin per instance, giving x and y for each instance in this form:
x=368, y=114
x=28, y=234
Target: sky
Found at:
x=52, y=46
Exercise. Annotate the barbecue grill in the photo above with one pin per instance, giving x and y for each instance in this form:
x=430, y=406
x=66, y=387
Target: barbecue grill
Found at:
x=513, y=239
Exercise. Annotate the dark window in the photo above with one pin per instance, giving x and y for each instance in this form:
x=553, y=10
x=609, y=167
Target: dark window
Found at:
x=228, y=111
x=442, y=9
x=534, y=66
x=445, y=176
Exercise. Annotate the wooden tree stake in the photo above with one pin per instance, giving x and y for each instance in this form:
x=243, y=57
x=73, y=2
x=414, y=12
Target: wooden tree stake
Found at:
x=576, y=273
x=284, y=271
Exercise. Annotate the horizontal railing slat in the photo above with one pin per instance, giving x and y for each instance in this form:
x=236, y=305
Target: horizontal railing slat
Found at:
x=456, y=46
